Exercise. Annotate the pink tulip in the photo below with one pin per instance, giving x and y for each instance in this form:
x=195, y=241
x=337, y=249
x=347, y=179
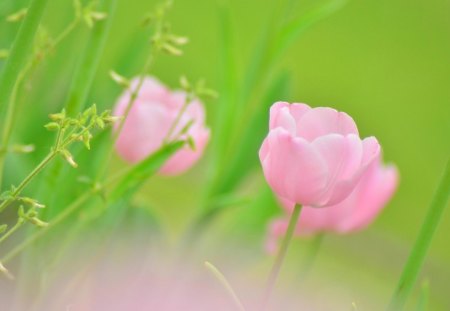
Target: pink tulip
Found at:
x=314, y=156
x=149, y=122
x=355, y=213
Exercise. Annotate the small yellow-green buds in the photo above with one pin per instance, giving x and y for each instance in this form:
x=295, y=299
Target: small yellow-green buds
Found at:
x=69, y=158
x=31, y=202
x=197, y=90
x=112, y=119
x=178, y=40
x=201, y=90
x=119, y=79
x=171, y=49
x=184, y=82
x=87, y=13
x=52, y=126
x=37, y=222
x=86, y=137
x=17, y=16
x=31, y=217
x=58, y=116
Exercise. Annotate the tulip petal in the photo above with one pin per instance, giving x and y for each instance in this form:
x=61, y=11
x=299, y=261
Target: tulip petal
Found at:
x=323, y=121
x=293, y=168
x=343, y=157
x=283, y=114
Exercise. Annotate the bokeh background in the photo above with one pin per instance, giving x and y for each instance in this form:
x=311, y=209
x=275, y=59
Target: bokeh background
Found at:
x=385, y=62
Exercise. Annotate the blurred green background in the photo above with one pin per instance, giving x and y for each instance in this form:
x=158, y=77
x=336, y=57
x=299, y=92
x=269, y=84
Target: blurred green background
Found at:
x=385, y=62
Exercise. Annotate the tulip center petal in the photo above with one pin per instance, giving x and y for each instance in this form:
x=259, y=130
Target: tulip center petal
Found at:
x=321, y=121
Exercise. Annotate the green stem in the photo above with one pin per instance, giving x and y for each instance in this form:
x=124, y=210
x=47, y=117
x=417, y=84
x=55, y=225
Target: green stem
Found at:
x=12, y=109
x=177, y=119
x=18, y=224
x=62, y=216
x=69, y=210
x=90, y=60
x=281, y=255
x=20, y=50
x=422, y=244
x=130, y=104
x=27, y=179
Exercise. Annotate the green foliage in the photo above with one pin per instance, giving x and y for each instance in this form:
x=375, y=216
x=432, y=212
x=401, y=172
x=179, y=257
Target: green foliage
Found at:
x=142, y=171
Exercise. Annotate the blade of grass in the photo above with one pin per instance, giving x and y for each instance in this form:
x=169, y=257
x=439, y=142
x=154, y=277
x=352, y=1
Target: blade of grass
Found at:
x=84, y=76
x=246, y=155
x=417, y=256
x=227, y=104
x=20, y=50
x=140, y=173
x=292, y=30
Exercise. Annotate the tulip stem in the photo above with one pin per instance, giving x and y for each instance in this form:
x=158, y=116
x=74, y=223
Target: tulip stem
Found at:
x=281, y=255
x=422, y=244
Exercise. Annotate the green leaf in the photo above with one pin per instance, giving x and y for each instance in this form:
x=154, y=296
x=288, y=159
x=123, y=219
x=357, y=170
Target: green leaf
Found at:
x=246, y=155
x=290, y=32
x=227, y=105
x=423, y=299
x=142, y=171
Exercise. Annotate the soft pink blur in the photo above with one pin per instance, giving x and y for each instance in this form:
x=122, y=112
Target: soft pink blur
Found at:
x=314, y=156
x=149, y=121
x=356, y=212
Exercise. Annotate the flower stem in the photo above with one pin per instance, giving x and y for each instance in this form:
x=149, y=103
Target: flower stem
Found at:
x=68, y=211
x=18, y=224
x=422, y=244
x=281, y=255
x=20, y=49
x=134, y=94
x=87, y=67
x=13, y=73
x=27, y=179
x=12, y=107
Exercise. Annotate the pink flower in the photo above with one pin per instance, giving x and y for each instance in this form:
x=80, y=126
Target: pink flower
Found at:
x=150, y=120
x=314, y=156
x=355, y=213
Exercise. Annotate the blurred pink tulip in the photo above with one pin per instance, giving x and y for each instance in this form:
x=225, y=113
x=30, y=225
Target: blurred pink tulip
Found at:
x=356, y=212
x=149, y=121
x=314, y=156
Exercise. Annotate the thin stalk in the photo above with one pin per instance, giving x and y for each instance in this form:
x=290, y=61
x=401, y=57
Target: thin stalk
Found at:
x=18, y=224
x=422, y=244
x=62, y=216
x=11, y=113
x=20, y=50
x=27, y=179
x=177, y=119
x=131, y=101
x=87, y=68
x=281, y=255
x=60, y=145
x=226, y=285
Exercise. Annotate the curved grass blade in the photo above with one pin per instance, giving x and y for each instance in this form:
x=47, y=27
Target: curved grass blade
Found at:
x=142, y=171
